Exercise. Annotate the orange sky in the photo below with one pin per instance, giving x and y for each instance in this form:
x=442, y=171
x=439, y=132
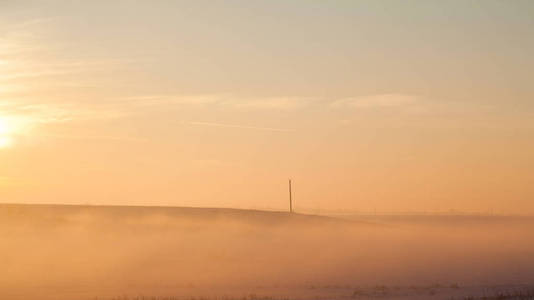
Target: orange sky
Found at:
x=424, y=106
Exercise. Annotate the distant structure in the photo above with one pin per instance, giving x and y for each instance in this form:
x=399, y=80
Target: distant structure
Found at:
x=290, y=198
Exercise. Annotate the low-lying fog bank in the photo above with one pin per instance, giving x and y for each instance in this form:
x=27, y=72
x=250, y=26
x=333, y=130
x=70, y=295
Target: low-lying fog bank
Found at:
x=81, y=252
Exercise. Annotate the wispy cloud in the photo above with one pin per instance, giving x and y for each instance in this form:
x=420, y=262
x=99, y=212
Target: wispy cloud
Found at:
x=27, y=55
x=32, y=23
x=97, y=137
x=272, y=103
x=43, y=113
x=378, y=101
x=230, y=101
x=21, y=38
x=239, y=126
x=23, y=69
x=413, y=107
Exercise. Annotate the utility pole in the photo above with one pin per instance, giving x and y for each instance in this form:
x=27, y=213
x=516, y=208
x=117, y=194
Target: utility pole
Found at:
x=290, y=198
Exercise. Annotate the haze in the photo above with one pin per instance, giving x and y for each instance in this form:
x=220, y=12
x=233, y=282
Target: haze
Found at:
x=146, y=148
x=89, y=252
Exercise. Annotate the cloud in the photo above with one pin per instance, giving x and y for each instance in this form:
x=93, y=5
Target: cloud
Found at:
x=32, y=23
x=27, y=69
x=239, y=126
x=448, y=112
x=28, y=51
x=46, y=112
x=97, y=137
x=378, y=101
x=272, y=103
x=158, y=100
x=21, y=38
x=223, y=100
x=43, y=113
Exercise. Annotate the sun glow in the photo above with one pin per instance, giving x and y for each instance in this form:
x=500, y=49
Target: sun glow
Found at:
x=5, y=141
x=7, y=129
x=4, y=126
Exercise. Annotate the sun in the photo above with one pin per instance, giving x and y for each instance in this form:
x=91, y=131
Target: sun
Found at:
x=7, y=129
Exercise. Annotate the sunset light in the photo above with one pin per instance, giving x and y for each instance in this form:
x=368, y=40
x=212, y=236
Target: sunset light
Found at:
x=11, y=127
x=5, y=141
x=6, y=129
x=4, y=126
x=289, y=149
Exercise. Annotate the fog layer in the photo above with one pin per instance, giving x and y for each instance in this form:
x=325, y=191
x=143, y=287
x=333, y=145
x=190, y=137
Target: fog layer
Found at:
x=69, y=252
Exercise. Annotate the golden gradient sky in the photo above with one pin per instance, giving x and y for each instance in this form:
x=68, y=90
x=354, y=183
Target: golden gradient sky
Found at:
x=386, y=105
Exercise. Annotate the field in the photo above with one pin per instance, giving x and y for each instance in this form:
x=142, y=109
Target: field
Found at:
x=54, y=252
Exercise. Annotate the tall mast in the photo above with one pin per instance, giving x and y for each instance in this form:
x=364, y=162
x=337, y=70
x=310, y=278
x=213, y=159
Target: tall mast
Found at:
x=290, y=198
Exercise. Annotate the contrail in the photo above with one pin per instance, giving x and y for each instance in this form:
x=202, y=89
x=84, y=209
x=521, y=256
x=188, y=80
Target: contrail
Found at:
x=240, y=126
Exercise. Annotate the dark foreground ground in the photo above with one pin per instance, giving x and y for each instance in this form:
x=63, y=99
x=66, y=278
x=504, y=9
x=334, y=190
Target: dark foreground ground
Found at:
x=87, y=252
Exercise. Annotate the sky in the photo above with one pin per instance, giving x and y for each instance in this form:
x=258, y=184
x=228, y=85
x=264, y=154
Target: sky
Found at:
x=388, y=106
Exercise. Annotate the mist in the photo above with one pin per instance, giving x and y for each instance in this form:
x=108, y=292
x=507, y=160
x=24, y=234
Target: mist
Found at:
x=83, y=252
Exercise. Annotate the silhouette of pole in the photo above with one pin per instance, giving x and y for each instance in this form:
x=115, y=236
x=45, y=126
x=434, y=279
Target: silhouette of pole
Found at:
x=290, y=198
